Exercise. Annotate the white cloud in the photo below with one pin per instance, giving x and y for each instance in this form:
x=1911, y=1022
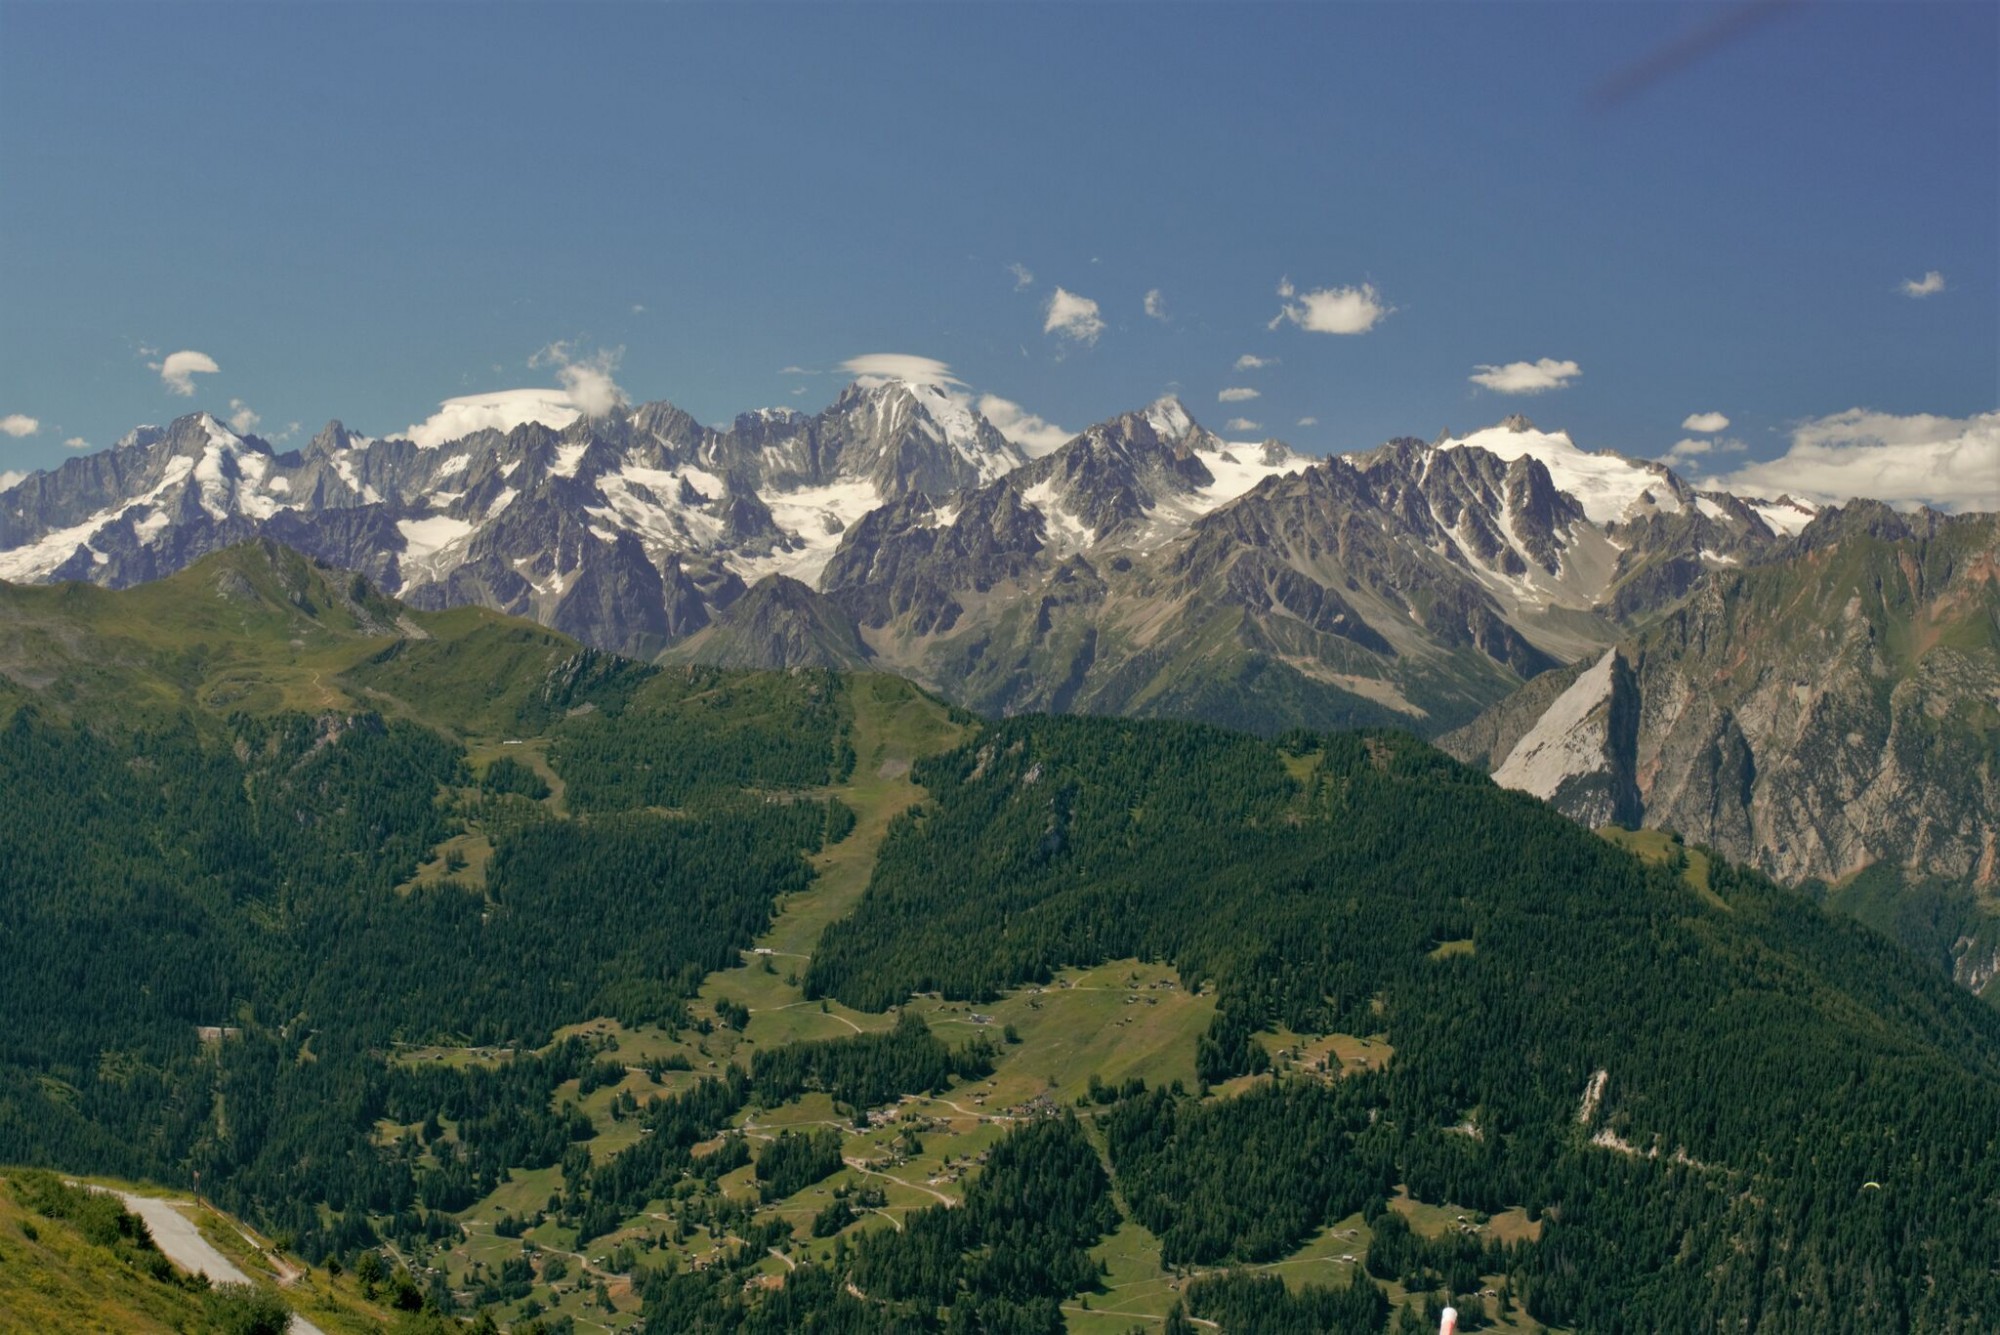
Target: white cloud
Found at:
x=1952, y=463
x=1930, y=284
x=11, y=478
x=1073, y=317
x=1331, y=310
x=586, y=379
x=19, y=424
x=1250, y=361
x=1708, y=422
x=242, y=420
x=1694, y=447
x=76, y=443
x=1156, y=304
x=877, y=368
x=1036, y=435
x=1308, y=421
x=179, y=369
x=638, y=308
x=587, y=388
x=796, y=370
x=1023, y=276
x=1238, y=394
x=1526, y=377
x=501, y=410
x=1033, y=434
x=1240, y=424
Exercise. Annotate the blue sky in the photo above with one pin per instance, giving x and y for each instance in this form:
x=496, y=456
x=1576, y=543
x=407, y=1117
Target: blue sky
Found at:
x=356, y=212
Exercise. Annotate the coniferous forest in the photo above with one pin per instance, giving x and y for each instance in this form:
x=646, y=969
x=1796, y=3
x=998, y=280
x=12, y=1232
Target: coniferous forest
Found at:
x=366, y=967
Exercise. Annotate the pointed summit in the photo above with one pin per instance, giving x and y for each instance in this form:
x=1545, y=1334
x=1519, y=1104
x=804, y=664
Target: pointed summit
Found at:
x=1171, y=419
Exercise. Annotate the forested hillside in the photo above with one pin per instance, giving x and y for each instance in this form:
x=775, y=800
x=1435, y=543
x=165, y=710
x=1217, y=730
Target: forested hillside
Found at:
x=587, y=992
x=1721, y=1099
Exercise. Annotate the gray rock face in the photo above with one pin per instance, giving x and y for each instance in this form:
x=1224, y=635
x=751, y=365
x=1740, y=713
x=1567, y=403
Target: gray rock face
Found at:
x=779, y=624
x=1825, y=716
x=591, y=529
x=1146, y=566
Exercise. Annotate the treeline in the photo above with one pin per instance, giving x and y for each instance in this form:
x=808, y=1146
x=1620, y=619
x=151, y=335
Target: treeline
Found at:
x=1250, y=1178
x=697, y=730
x=868, y=1070
x=1239, y=1300
x=874, y=1068
x=1001, y=1264
x=796, y=1160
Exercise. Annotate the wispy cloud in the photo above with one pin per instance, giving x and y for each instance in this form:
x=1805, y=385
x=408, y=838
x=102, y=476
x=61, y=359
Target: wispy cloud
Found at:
x=178, y=370
x=498, y=410
x=796, y=370
x=76, y=443
x=1918, y=459
x=1308, y=421
x=877, y=367
x=586, y=378
x=1929, y=285
x=19, y=424
x=1708, y=422
x=1250, y=361
x=1697, y=447
x=1526, y=377
x=1024, y=277
x=1331, y=310
x=1241, y=424
x=1073, y=317
x=242, y=420
x=1238, y=394
x=1034, y=434
x=1156, y=305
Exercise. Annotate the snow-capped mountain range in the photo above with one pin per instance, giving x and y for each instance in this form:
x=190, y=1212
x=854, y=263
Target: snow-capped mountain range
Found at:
x=1803, y=689
x=957, y=558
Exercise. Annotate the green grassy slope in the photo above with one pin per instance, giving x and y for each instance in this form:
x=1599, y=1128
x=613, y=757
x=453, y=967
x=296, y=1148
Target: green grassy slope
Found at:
x=260, y=629
x=72, y=1261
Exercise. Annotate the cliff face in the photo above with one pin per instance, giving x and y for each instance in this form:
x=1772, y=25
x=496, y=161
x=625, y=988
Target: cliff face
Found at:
x=1833, y=716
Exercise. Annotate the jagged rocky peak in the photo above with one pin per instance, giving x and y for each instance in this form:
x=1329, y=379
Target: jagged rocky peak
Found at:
x=1503, y=514
x=1611, y=487
x=195, y=434
x=779, y=623
x=332, y=437
x=669, y=426
x=905, y=436
x=1117, y=472
x=1171, y=420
